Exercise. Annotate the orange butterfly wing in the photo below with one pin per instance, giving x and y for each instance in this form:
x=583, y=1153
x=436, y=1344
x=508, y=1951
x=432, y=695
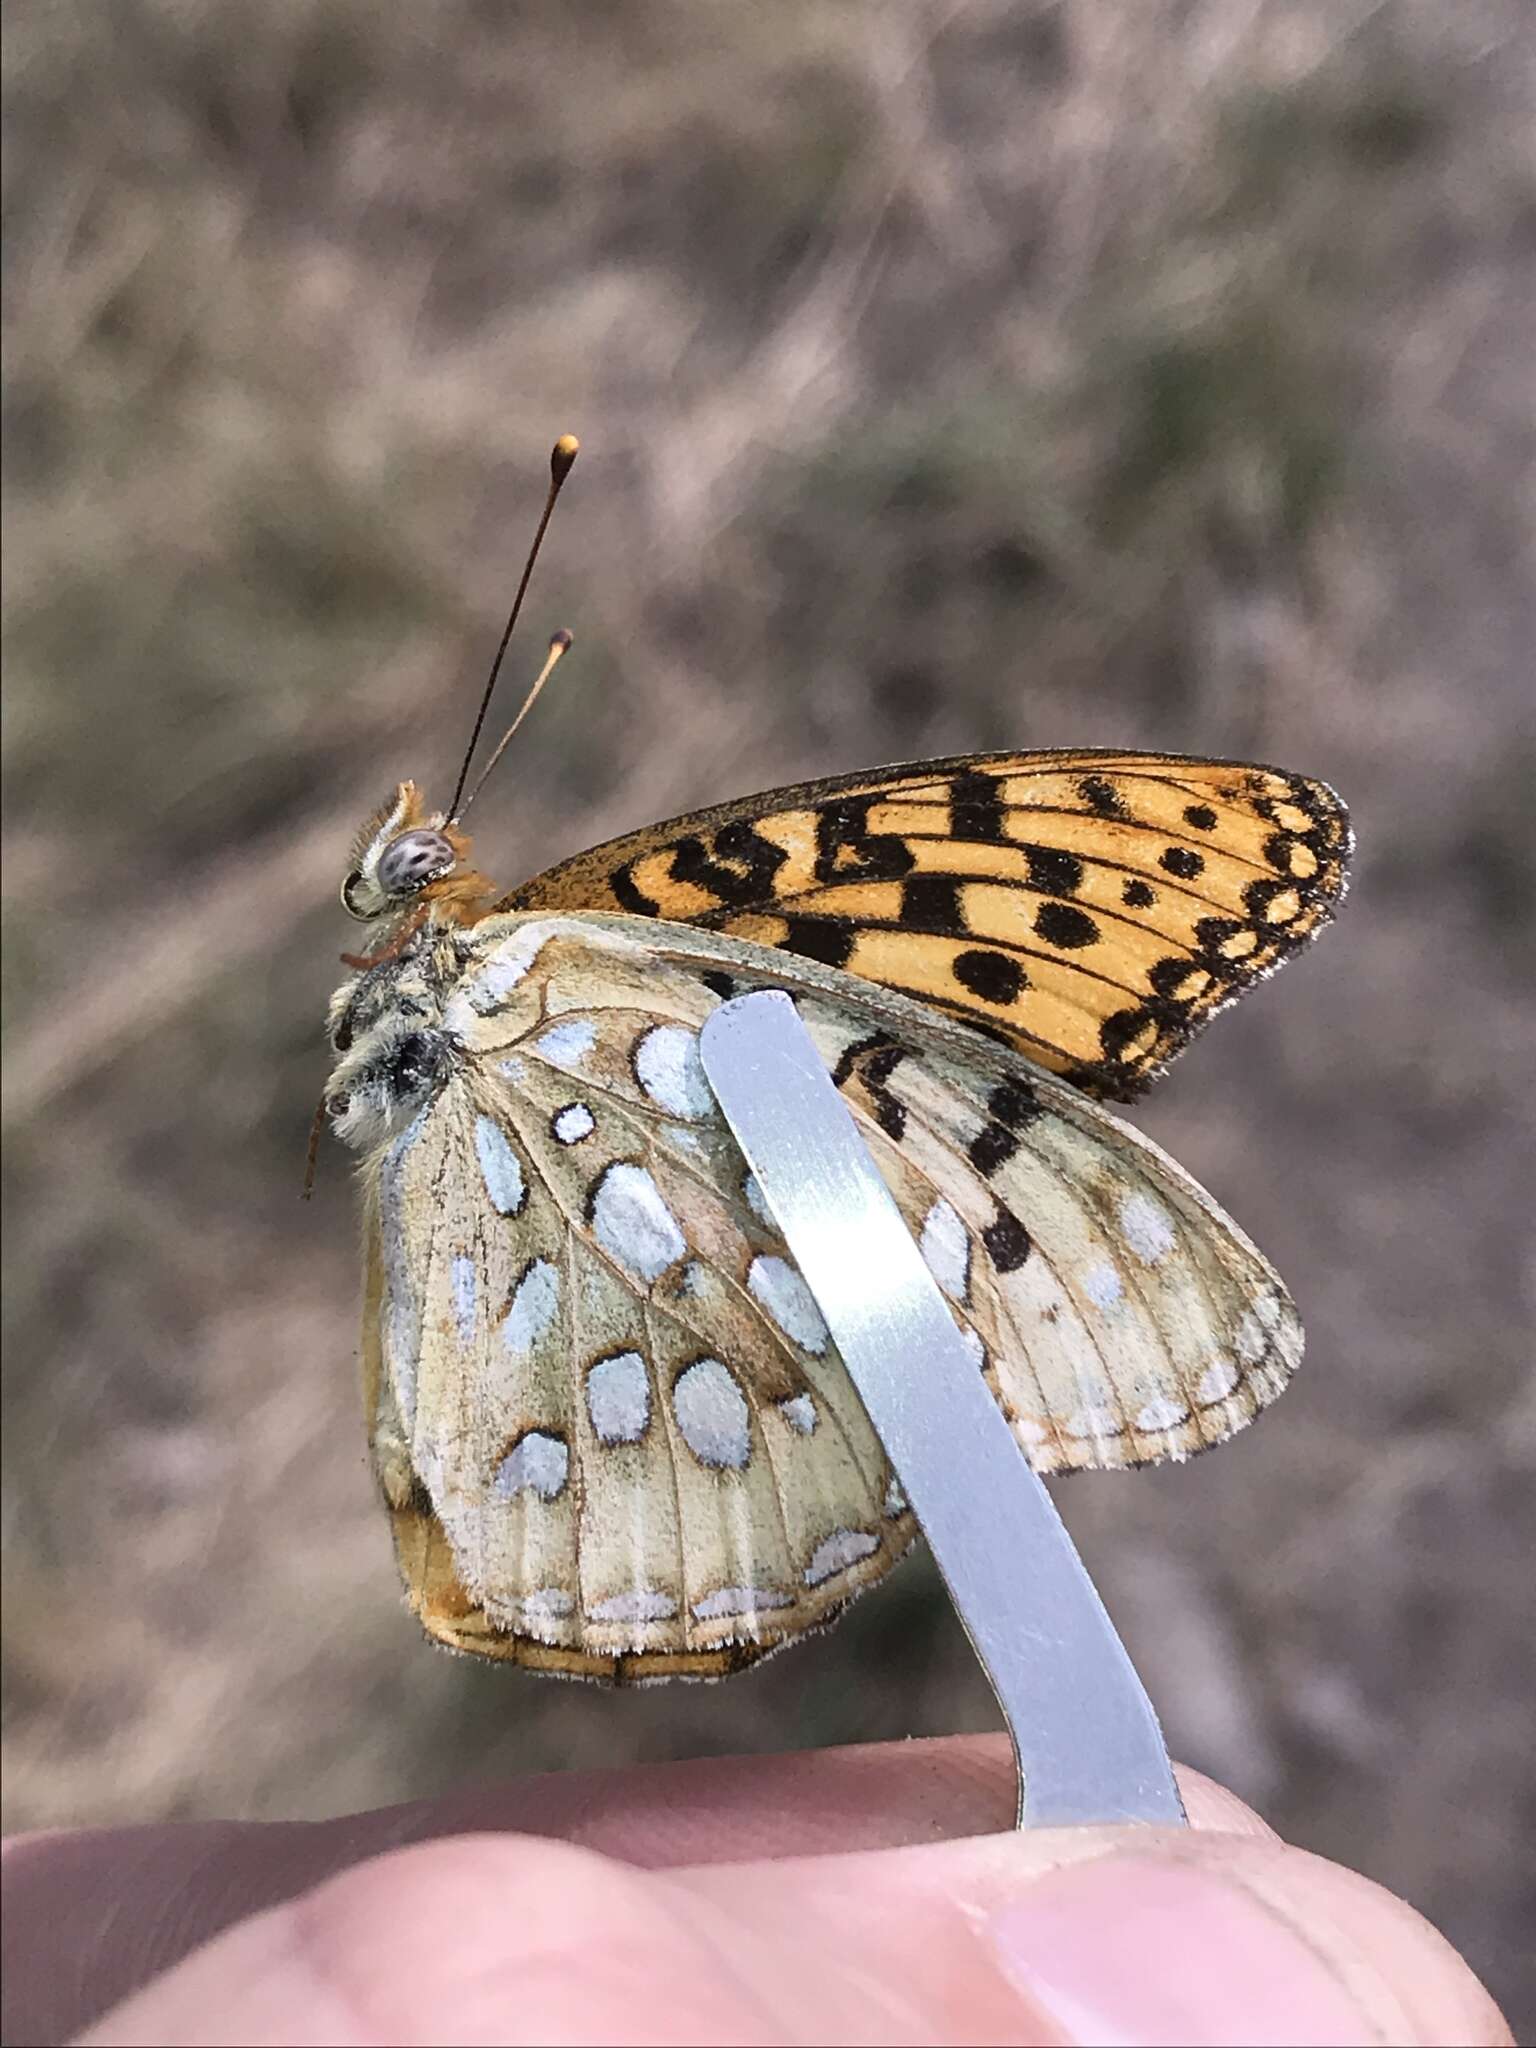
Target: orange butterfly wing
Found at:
x=1092, y=910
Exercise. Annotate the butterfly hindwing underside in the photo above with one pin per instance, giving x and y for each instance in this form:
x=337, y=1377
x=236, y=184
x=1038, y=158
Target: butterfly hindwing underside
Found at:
x=1091, y=910
x=614, y=1434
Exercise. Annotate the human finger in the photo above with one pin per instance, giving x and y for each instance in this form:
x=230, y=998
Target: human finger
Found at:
x=1076, y=1935
x=92, y=1915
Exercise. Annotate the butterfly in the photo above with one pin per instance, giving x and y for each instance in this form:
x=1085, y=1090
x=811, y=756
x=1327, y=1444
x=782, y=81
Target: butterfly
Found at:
x=612, y=1431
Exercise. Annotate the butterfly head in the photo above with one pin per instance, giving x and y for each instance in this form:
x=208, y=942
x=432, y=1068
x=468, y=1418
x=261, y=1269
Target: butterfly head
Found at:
x=406, y=859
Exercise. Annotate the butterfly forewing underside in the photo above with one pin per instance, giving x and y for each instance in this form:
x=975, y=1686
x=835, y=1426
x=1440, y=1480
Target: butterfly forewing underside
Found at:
x=613, y=1431
x=1091, y=910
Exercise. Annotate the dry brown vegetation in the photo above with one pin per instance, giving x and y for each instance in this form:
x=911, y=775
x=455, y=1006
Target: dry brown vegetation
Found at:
x=951, y=373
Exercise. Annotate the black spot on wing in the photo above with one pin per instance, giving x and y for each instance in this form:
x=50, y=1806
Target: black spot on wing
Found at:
x=976, y=809
x=993, y=1146
x=1280, y=851
x=1064, y=925
x=995, y=977
x=1167, y=976
x=1102, y=797
x=1014, y=1103
x=1213, y=934
x=1201, y=816
x=1054, y=870
x=1182, y=861
x=1121, y=1029
x=722, y=984
x=1138, y=895
x=847, y=851
x=827, y=939
x=878, y=1069
x=931, y=903
x=737, y=867
x=851, y=1056
x=622, y=883
x=1258, y=896
x=1008, y=1244
x=1167, y=1016
x=874, y=1060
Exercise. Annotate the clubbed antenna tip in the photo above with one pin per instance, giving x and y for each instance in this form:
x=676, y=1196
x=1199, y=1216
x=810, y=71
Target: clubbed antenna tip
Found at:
x=561, y=457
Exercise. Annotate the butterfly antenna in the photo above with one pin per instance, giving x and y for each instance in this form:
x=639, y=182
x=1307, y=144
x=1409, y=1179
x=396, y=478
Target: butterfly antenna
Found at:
x=561, y=458
x=558, y=644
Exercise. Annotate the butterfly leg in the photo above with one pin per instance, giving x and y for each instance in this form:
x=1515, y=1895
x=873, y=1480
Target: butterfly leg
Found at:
x=361, y=962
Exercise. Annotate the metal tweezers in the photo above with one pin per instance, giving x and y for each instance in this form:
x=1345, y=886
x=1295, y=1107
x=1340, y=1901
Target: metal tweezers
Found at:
x=1085, y=1737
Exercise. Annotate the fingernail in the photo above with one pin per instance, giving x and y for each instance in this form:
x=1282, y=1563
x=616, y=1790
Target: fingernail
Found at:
x=1149, y=1951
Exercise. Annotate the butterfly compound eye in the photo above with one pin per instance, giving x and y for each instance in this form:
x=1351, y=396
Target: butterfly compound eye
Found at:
x=413, y=860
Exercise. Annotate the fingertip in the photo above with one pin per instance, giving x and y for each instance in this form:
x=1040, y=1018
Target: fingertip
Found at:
x=1401, y=1969
x=1221, y=1939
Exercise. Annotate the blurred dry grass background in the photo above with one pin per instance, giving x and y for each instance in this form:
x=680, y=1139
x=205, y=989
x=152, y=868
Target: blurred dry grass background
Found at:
x=951, y=373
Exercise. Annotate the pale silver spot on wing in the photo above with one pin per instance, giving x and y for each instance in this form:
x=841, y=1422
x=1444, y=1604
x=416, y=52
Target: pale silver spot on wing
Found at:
x=548, y=1602
x=394, y=1158
x=463, y=1287
x=514, y=1070
x=645, y=1604
x=514, y=957
x=755, y=1201
x=567, y=1044
x=1029, y=1431
x=1146, y=1228
x=841, y=1549
x=536, y=1464
x=631, y=1221
x=1257, y=1328
x=489, y=988
x=1103, y=1285
x=533, y=1307
x=895, y=1502
x=404, y=1337
x=799, y=1411
x=691, y=1279
x=976, y=1351
x=780, y=1289
x=573, y=1123
x=400, y=1316
x=1250, y=1343
x=946, y=1247
x=501, y=1167
x=539, y=1613
x=713, y=1416
x=1162, y=1414
x=1217, y=1381
x=619, y=1398
x=1094, y=1419
x=669, y=1069
x=733, y=1600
